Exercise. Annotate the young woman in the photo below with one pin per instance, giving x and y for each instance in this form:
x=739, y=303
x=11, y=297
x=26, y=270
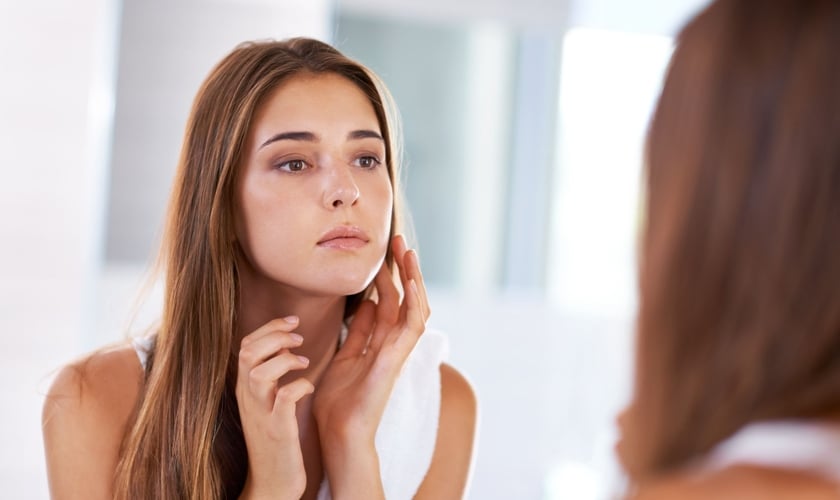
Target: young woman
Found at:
x=738, y=352
x=291, y=360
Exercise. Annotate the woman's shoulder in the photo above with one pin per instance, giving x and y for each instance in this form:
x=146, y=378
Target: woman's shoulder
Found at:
x=84, y=419
x=457, y=397
x=740, y=482
x=457, y=394
x=458, y=416
x=449, y=473
x=95, y=394
x=107, y=379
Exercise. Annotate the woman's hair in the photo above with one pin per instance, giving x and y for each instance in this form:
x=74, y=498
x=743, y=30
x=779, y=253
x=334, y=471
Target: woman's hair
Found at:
x=187, y=441
x=739, y=314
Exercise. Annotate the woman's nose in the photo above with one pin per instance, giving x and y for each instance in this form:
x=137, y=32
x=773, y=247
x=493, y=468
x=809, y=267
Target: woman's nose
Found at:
x=340, y=188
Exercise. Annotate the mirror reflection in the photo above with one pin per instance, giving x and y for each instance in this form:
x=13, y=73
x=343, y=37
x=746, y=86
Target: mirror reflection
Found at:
x=523, y=128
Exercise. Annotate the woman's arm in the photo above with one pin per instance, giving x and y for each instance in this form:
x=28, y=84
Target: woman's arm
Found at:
x=84, y=419
x=449, y=474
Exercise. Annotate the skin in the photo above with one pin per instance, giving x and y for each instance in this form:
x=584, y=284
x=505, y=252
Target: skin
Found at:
x=308, y=411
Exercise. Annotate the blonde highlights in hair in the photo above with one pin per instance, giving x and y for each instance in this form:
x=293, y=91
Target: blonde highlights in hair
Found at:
x=186, y=440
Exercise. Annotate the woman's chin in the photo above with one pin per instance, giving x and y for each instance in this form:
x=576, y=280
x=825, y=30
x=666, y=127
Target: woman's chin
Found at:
x=347, y=286
x=327, y=282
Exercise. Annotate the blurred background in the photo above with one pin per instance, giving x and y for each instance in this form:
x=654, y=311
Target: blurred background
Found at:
x=524, y=124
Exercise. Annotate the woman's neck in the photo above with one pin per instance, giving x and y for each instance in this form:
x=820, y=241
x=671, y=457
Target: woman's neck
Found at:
x=321, y=320
x=320, y=323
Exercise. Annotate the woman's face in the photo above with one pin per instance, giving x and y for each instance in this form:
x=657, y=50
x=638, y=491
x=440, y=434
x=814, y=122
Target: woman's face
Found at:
x=314, y=198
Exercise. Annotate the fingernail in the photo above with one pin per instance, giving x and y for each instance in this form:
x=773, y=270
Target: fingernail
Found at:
x=291, y=319
x=297, y=338
x=304, y=360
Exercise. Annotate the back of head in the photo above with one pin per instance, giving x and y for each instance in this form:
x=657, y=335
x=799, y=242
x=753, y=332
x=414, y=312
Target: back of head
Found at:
x=740, y=276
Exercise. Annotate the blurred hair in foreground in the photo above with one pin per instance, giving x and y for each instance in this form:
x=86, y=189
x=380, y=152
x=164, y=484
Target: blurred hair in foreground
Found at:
x=739, y=317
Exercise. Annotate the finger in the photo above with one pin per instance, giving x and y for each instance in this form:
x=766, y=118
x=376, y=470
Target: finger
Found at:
x=288, y=395
x=401, y=341
x=268, y=345
x=413, y=270
x=262, y=379
x=388, y=309
x=388, y=298
x=400, y=254
x=361, y=326
x=399, y=247
x=415, y=323
x=286, y=324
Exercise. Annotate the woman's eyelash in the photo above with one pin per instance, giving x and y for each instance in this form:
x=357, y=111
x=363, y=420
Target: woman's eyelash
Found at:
x=292, y=165
x=367, y=161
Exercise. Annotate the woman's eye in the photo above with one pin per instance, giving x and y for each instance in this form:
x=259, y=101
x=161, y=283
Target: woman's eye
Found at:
x=292, y=166
x=367, y=162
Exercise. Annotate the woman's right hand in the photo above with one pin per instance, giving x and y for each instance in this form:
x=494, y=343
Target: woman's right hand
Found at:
x=267, y=410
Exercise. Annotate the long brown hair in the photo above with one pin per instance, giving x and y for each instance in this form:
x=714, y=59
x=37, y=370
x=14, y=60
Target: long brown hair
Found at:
x=739, y=314
x=186, y=441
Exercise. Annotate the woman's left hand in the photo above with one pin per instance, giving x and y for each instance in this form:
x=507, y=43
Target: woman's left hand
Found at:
x=351, y=396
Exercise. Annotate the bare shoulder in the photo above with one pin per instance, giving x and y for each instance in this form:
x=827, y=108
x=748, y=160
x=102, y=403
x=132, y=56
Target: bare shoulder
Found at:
x=449, y=474
x=84, y=417
x=106, y=381
x=458, y=400
x=741, y=482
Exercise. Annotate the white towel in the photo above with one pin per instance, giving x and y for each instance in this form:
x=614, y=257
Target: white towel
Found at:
x=802, y=445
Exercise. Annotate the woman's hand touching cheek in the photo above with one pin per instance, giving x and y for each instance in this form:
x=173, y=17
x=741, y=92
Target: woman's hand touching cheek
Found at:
x=352, y=395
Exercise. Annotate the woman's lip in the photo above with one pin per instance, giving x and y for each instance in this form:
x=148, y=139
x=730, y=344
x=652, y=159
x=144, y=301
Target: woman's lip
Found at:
x=344, y=233
x=343, y=243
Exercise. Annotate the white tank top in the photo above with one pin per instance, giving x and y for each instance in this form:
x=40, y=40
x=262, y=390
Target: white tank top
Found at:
x=811, y=446
x=405, y=439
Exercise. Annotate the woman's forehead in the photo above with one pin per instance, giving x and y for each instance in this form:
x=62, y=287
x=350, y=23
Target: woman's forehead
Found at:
x=322, y=100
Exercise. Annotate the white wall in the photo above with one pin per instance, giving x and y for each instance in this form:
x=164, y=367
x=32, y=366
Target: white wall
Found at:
x=53, y=126
x=549, y=384
x=661, y=17
x=653, y=17
x=166, y=50
x=520, y=13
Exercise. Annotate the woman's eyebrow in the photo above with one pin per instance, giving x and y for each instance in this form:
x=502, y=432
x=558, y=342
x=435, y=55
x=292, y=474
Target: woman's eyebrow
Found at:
x=364, y=134
x=290, y=136
x=310, y=137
